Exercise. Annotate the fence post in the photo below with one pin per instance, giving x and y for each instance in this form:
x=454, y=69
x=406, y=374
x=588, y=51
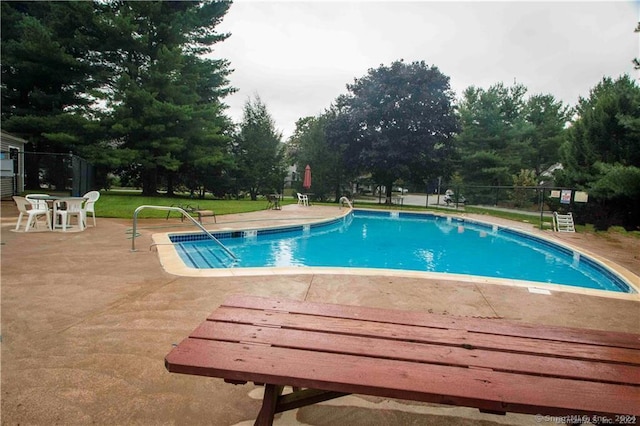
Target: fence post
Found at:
x=75, y=172
x=541, y=200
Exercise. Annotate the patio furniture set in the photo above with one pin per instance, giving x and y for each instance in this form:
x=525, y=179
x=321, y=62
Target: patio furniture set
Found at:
x=58, y=211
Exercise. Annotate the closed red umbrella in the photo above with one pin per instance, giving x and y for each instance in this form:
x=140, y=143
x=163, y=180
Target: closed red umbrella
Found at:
x=306, y=183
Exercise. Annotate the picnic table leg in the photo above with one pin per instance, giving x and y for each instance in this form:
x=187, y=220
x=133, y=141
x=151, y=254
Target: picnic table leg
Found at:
x=269, y=404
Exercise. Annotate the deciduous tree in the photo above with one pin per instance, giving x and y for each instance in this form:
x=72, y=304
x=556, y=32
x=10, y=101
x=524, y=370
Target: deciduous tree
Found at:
x=312, y=146
x=398, y=122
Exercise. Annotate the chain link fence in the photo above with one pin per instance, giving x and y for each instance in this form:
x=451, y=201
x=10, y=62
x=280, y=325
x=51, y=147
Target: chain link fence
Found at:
x=538, y=202
x=53, y=172
x=519, y=198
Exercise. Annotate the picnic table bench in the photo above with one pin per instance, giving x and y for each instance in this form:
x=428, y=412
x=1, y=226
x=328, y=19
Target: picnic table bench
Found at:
x=325, y=351
x=205, y=213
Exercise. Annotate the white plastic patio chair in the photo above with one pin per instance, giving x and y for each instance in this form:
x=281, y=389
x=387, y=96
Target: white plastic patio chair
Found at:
x=72, y=207
x=303, y=200
x=90, y=205
x=39, y=204
x=33, y=210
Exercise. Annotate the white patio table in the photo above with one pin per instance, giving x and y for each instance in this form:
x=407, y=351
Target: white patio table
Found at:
x=53, y=201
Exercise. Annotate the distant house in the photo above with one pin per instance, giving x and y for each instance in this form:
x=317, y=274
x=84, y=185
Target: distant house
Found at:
x=547, y=177
x=291, y=177
x=12, y=164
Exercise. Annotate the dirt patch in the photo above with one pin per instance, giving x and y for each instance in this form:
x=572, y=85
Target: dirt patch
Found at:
x=621, y=249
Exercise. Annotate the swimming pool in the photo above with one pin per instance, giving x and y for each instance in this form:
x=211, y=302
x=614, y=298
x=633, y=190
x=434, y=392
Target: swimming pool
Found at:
x=403, y=241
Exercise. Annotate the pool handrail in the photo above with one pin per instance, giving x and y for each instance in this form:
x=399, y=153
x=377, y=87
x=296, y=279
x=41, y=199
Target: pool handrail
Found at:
x=185, y=214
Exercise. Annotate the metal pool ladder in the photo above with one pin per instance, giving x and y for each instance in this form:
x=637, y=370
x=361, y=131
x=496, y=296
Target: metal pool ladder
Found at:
x=185, y=214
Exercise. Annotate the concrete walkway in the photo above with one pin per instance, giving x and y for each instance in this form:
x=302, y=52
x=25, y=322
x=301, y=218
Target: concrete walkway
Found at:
x=86, y=324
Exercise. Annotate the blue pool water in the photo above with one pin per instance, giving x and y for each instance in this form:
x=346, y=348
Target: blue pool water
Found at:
x=406, y=241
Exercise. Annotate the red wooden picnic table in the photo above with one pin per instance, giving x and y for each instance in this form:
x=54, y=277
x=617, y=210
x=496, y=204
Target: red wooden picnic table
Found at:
x=325, y=351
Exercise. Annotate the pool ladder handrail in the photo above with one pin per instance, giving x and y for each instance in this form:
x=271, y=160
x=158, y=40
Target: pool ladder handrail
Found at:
x=185, y=214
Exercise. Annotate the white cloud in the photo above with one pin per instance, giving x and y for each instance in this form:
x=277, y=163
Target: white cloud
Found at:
x=299, y=56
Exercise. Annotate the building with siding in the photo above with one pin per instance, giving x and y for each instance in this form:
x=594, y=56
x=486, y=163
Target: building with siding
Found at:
x=12, y=165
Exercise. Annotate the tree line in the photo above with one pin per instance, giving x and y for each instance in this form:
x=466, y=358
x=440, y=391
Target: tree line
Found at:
x=132, y=87
x=128, y=85
x=400, y=125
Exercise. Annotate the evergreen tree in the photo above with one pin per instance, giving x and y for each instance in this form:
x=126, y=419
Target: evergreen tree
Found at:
x=48, y=74
x=548, y=119
x=493, y=141
x=166, y=104
x=258, y=151
x=503, y=133
x=602, y=153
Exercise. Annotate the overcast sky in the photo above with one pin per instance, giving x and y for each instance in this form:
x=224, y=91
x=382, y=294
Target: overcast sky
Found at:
x=299, y=56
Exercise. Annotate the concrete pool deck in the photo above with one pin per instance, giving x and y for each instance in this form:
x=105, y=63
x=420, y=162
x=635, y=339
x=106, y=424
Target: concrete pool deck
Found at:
x=86, y=324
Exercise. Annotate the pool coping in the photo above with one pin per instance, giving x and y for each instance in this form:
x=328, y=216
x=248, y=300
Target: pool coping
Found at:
x=173, y=264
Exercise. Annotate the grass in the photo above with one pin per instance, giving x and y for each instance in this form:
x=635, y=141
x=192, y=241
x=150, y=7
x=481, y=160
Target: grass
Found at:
x=123, y=204
x=519, y=217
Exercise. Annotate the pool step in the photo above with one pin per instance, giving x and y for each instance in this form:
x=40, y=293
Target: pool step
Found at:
x=206, y=256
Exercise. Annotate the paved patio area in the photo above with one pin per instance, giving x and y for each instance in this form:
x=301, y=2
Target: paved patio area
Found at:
x=86, y=324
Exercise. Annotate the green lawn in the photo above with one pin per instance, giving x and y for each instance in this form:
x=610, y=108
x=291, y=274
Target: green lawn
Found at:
x=122, y=205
